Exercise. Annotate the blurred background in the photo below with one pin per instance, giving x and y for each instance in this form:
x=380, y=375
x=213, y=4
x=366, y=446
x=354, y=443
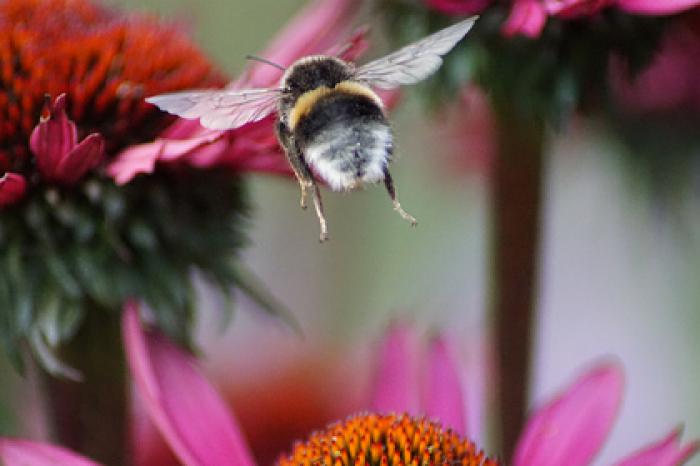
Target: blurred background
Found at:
x=619, y=271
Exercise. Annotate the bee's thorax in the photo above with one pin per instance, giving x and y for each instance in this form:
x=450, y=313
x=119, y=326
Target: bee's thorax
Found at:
x=313, y=72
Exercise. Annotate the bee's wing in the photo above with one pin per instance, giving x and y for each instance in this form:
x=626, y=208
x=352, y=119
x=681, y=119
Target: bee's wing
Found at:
x=219, y=109
x=416, y=61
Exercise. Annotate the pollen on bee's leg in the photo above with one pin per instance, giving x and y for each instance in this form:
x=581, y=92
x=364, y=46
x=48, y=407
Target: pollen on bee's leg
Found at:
x=318, y=205
x=389, y=183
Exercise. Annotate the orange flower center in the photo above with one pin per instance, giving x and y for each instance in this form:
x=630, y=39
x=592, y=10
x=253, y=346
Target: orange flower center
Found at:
x=105, y=61
x=385, y=440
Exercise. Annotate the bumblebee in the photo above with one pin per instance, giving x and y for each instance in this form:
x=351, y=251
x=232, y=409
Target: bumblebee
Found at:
x=331, y=123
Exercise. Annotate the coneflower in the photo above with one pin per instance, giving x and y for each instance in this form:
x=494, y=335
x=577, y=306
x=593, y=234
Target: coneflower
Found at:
x=74, y=245
x=103, y=61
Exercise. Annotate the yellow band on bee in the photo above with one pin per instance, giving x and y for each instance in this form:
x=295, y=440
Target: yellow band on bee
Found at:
x=306, y=101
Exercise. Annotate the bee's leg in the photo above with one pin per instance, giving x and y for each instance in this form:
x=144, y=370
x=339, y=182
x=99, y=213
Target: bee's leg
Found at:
x=291, y=151
x=318, y=204
x=302, y=173
x=307, y=182
x=389, y=183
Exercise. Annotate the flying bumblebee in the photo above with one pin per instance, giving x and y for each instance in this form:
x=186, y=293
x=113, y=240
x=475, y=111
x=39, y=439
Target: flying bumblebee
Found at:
x=330, y=122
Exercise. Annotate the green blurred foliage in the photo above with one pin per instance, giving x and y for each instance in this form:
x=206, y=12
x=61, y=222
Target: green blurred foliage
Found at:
x=100, y=243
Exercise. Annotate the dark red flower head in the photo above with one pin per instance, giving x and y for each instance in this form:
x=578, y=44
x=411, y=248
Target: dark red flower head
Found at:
x=103, y=61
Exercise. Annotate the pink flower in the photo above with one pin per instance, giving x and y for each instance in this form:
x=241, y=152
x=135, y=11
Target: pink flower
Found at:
x=527, y=18
x=670, y=82
x=569, y=9
x=15, y=452
x=421, y=382
x=12, y=188
x=570, y=429
x=194, y=420
x=656, y=7
x=54, y=143
x=252, y=147
x=459, y=7
x=98, y=63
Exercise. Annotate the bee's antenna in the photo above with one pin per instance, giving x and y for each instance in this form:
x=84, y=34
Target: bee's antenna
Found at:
x=264, y=60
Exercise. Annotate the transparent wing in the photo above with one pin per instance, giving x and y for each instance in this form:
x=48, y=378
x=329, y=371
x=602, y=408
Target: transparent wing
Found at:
x=219, y=109
x=416, y=61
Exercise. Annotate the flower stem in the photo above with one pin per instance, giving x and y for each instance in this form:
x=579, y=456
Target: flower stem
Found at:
x=517, y=191
x=90, y=416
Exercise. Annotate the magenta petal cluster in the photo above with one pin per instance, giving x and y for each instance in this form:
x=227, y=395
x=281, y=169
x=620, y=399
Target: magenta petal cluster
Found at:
x=188, y=412
x=15, y=452
x=459, y=7
x=570, y=429
x=656, y=7
x=252, y=147
x=12, y=188
x=527, y=18
x=54, y=143
x=569, y=9
x=420, y=383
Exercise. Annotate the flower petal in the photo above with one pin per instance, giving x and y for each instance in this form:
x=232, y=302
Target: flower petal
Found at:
x=142, y=158
x=571, y=429
x=459, y=7
x=570, y=9
x=53, y=138
x=665, y=452
x=444, y=397
x=12, y=188
x=186, y=409
x=83, y=158
x=15, y=452
x=396, y=385
x=527, y=18
x=656, y=7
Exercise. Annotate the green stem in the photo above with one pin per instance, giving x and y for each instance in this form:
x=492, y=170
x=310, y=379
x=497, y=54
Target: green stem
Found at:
x=517, y=191
x=90, y=416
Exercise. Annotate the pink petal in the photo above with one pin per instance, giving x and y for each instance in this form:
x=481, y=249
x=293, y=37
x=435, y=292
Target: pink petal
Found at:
x=14, y=452
x=271, y=162
x=459, y=7
x=665, y=452
x=353, y=48
x=572, y=428
x=183, y=129
x=656, y=7
x=527, y=18
x=189, y=413
x=315, y=29
x=142, y=158
x=444, y=395
x=83, y=158
x=396, y=385
x=575, y=8
x=53, y=138
x=12, y=188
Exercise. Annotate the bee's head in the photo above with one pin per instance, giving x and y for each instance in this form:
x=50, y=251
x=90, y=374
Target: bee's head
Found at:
x=310, y=73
